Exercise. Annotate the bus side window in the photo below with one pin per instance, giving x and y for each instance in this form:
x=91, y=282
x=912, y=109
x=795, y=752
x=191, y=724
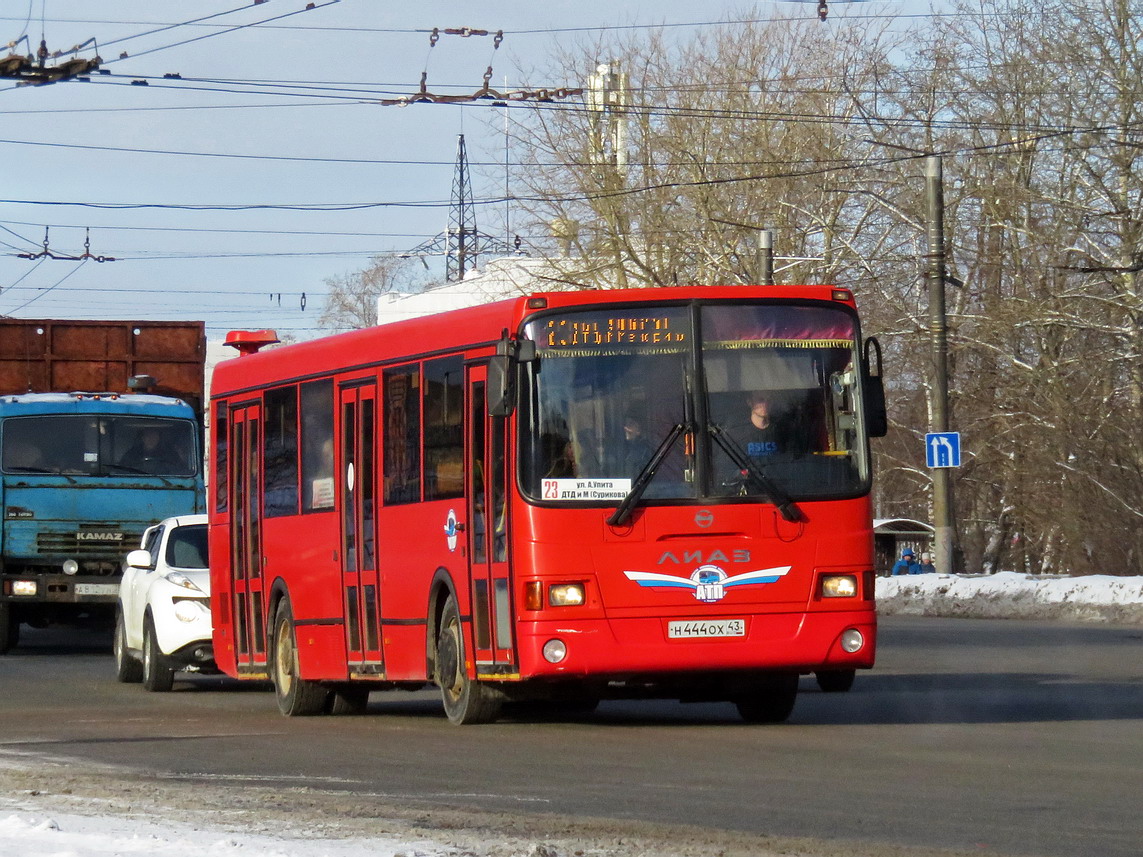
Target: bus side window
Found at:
x=281, y=429
x=221, y=438
x=402, y=433
x=317, y=445
x=444, y=434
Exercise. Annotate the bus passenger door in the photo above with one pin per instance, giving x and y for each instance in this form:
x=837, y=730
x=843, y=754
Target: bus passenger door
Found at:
x=361, y=582
x=245, y=481
x=492, y=614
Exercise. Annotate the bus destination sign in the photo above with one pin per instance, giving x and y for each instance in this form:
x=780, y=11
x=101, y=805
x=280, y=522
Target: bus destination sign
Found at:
x=602, y=330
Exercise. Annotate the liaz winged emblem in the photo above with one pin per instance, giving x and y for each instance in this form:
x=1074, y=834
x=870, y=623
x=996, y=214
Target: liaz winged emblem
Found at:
x=708, y=582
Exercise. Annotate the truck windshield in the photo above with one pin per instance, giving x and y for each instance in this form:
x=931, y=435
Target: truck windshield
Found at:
x=98, y=445
x=728, y=400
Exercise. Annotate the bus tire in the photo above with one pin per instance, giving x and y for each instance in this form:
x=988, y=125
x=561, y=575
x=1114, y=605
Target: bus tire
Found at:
x=297, y=697
x=835, y=681
x=351, y=700
x=158, y=674
x=465, y=700
x=9, y=628
x=127, y=668
x=770, y=700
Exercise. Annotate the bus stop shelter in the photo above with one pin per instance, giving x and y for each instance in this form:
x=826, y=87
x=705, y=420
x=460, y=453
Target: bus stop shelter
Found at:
x=893, y=535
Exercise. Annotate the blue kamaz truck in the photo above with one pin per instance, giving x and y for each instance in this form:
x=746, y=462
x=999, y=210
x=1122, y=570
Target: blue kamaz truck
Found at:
x=100, y=437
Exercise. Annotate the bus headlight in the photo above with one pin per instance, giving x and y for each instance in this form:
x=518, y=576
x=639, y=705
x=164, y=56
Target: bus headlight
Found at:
x=839, y=586
x=70, y=566
x=23, y=587
x=566, y=595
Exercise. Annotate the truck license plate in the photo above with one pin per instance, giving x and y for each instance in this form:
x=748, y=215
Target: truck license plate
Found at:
x=97, y=589
x=706, y=628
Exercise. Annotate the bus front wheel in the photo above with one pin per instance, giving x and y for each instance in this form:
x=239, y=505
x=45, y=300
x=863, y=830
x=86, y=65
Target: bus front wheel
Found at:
x=835, y=681
x=770, y=700
x=465, y=700
x=296, y=696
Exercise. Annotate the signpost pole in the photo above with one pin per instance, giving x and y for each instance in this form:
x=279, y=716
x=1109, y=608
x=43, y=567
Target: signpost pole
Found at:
x=944, y=535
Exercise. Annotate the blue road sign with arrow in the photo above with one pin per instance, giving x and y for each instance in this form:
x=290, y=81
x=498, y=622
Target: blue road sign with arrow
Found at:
x=942, y=449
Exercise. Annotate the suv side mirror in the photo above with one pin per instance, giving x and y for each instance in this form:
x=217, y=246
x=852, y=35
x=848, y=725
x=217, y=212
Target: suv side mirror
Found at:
x=139, y=559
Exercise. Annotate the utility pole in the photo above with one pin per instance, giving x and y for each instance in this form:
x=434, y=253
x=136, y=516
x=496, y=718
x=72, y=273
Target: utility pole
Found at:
x=766, y=257
x=938, y=349
x=607, y=102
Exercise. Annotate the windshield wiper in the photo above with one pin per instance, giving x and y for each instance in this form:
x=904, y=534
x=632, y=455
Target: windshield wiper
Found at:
x=751, y=469
x=627, y=505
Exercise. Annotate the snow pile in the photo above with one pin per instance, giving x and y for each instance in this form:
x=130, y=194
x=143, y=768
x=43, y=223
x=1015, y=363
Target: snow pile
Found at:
x=25, y=834
x=1010, y=595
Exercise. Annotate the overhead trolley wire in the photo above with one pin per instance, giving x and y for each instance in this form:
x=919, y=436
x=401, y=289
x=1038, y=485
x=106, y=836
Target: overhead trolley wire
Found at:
x=309, y=7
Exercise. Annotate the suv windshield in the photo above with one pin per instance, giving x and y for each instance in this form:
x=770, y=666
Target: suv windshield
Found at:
x=693, y=402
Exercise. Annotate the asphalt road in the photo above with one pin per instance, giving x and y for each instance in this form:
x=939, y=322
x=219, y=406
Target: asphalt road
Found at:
x=1001, y=737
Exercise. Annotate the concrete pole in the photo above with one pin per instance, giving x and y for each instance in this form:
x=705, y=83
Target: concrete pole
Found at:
x=766, y=257
x=945, y=535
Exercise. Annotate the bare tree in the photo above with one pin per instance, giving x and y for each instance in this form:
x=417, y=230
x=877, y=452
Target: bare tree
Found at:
x=352, y=299
x=815, y=133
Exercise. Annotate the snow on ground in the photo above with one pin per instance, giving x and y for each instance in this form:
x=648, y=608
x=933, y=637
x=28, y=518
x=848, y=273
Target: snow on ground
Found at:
x=1009, y=595
x=28, y=828
x=35, y=834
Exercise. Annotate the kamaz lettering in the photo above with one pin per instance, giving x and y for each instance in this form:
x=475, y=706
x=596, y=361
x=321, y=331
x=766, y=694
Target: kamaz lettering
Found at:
x=99, y=537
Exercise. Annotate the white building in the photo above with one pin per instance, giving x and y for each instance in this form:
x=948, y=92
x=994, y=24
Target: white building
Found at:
x=507, y=277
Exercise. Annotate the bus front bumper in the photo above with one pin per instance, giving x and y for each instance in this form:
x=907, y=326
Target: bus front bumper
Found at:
x=620, y=648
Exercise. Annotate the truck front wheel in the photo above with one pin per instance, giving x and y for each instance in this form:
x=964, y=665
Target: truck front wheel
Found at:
x=9, y=628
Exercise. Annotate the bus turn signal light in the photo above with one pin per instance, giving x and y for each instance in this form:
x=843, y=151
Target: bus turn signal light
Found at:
x=839, y=586
x=533, y=595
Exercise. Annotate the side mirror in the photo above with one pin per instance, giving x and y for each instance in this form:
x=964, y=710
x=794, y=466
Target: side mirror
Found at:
x=139, y=559
x=876, y=417
x=503, y=369
x=501, y=385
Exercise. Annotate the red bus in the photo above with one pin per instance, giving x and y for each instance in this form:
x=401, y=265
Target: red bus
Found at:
x=553, y=499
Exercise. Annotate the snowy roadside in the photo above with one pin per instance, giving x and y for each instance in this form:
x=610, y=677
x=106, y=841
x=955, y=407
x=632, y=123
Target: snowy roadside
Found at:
x=1009, y=595
x=51, y=808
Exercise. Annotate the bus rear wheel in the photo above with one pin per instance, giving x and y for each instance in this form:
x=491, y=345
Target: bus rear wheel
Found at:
x=347, y=700
x=296, y=696
x=465, y=700
x=770, y=700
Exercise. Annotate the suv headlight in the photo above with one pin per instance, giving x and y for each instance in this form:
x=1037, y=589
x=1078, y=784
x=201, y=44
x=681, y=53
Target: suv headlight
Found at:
x=180, y=579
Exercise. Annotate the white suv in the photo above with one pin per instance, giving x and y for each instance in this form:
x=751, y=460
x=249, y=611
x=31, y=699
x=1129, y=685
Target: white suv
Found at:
x=163, y=622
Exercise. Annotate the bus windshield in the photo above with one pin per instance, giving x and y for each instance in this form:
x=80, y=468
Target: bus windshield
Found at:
x=693, y=403
x=98, y=445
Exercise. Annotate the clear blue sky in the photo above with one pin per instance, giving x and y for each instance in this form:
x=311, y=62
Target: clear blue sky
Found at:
x=273, y=109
